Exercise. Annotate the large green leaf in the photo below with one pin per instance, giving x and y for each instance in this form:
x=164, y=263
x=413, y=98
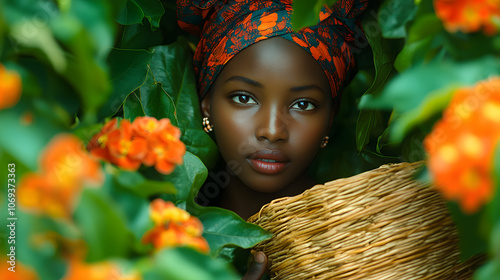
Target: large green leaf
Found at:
x=156, y=101
x=383, y=58
x=132, y=108
x=136, y=10
x=493, y=207
x=25, y=142
x=128, y=71
x=187, y=264
x=130, y=14
x=153, y=11
x=185, y=177
x=393, y=16
x=433, y=104
x=367, y=119
x=133, y=204
x=409, y=89
x=140, y=36
x=140, y=186
x=223, y=228
x=423, y=41
x=489, y=271
x=170, y=91
x=471, y=241
x=103, y=226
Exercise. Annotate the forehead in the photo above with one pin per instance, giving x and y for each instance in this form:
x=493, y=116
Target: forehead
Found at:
x=278, y=60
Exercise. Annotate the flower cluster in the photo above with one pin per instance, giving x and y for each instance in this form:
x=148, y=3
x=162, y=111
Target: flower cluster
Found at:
x=79, y=270
x=65, y=168
x=462, y=144
x=469, y=15
x=145, y=141
x=174, y=227
x=10, y=88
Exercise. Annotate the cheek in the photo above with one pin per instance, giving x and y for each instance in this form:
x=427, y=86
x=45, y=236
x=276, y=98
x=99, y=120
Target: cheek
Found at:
x=306, y=137
x=231, y=131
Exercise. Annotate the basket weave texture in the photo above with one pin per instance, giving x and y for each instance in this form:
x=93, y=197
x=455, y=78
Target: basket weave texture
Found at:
x=381, y=224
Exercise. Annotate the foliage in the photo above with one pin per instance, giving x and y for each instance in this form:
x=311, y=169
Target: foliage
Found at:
x=83, y=63
x=83, y=66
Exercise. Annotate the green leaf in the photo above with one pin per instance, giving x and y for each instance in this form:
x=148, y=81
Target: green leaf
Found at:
x=103, y=226
x=140, y=36
x=489, y=271
x=393, y=16
x=134, y=207
x=25, y=142
x=129, y=69
x=222, y=227
x=410, y=88
x=367, y=119
x=153, y=11
x=185, y=177
x=136, y=183
x=383, y=58
x=85, y=71
x=384, y=53
x=493, y=207
x=171, y=92
x=423, y=40
x=156, y=101
x=187, y=264
x=130, y=14
x=97, y=17
x=433, y=104
x=471, y=242
x=132, y=108
x=306, y=14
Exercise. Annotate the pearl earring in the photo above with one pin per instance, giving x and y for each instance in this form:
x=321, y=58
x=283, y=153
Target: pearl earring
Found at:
x=324, y=142
x=206, y=125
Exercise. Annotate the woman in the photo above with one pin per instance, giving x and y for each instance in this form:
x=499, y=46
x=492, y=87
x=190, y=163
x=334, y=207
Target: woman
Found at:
x=268, y=94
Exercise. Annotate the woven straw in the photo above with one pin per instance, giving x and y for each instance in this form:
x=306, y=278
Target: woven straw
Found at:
x=381, y=224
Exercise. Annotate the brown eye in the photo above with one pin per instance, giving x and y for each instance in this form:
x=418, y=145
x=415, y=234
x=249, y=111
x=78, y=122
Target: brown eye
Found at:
x=243, y=99
x=303, y=105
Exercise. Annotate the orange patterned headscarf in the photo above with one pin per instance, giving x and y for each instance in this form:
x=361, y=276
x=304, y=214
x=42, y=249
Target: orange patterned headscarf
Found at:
x=228, y=26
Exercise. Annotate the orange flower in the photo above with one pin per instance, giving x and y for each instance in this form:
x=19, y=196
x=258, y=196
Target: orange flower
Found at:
x=126, y=149
x=462, y=144
x=21, y=271
x=65, y=167
x=174, y=227
x=469, y=15
x=162, y=212
x=98, y=144
x=10, y=88
x=146, y=141
x=79, y=270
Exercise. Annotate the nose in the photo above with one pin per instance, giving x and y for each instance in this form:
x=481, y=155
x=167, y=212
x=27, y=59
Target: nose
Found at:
x=272, y=125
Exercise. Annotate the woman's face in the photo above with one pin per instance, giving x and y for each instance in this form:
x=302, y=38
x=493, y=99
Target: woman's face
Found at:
x=270, y=107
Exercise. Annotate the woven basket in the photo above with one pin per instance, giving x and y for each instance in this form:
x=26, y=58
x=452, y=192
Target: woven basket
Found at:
x=381, y=224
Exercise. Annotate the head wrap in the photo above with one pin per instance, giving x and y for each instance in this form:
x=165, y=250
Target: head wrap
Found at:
x=228, y=26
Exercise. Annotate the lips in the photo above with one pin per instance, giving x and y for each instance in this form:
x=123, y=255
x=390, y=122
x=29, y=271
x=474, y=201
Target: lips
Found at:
x=268, y=161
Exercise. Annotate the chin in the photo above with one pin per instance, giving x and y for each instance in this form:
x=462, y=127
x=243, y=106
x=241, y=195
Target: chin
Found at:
x=267, y=186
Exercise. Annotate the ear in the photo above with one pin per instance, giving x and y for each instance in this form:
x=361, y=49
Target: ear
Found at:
x=205, y=105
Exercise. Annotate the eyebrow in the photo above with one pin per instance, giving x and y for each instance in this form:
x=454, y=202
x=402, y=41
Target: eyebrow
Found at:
x=307, y=87
x=257, y=84
x=245, y=80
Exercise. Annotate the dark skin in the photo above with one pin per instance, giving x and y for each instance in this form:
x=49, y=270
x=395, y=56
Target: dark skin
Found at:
x=270, y=107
